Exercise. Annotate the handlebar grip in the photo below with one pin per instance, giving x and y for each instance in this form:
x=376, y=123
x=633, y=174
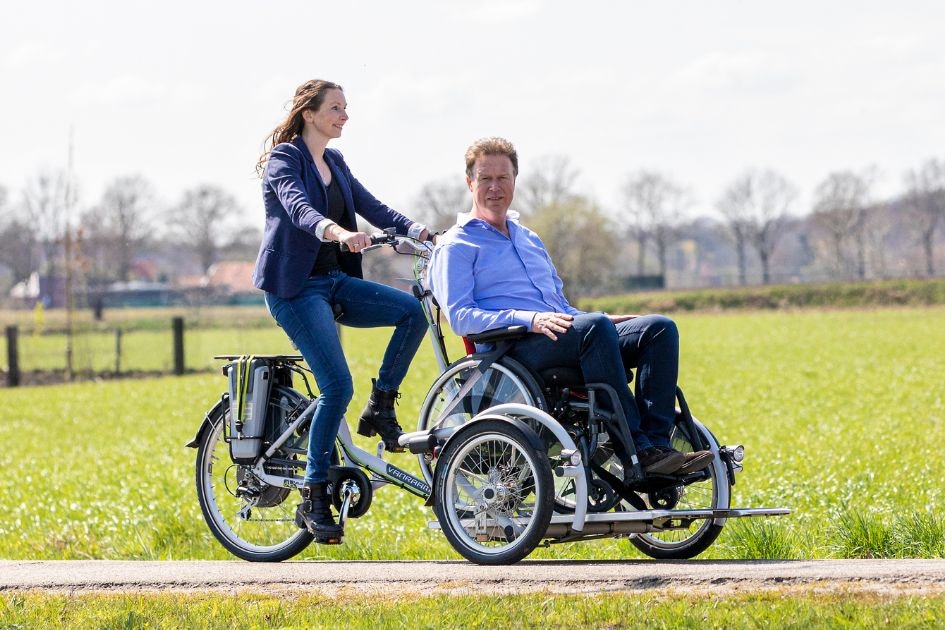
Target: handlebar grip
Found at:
x=381, y=238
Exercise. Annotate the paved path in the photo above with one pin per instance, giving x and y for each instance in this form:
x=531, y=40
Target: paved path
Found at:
x=456, y=577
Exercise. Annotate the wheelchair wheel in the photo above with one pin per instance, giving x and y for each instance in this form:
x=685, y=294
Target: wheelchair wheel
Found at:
x=252, y=519
x=493, y=492
x=712, y=492
x=505, y=381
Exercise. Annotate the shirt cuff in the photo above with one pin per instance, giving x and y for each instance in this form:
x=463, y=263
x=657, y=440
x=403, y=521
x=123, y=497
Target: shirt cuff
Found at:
x=524, y=318
x=415, y=230
x=320, y=228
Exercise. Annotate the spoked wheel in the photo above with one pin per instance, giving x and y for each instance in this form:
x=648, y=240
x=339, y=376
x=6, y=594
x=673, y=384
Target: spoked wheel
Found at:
x=709, y=492
x=252, y=519
x=493, y=492
x=452, y=401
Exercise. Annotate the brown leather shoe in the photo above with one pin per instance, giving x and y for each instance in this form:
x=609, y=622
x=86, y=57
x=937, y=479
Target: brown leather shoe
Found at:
x=695, y=462
x=658, y=461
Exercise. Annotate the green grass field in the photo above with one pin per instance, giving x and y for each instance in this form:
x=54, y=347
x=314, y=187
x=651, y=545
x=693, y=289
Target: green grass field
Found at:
x=778, y=609
x=841, y=412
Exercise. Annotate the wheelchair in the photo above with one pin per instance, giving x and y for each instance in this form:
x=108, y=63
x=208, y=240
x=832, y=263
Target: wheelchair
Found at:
x=560, y=425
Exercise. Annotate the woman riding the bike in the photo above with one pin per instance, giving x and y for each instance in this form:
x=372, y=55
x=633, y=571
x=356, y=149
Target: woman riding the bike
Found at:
x=309, y=267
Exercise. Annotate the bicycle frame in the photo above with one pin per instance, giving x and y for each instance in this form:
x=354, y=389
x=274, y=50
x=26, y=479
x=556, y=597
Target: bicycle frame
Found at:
x=384, y=472
x=375, y=464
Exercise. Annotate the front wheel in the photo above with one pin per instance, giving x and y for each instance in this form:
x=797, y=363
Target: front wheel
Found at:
x=252, y=519
x=493, y=492
x=712, y=491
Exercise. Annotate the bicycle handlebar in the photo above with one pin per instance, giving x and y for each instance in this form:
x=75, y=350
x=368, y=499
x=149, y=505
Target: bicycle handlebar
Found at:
x=387, y=237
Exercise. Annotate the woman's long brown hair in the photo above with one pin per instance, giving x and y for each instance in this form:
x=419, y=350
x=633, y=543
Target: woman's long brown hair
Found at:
x=309, y=95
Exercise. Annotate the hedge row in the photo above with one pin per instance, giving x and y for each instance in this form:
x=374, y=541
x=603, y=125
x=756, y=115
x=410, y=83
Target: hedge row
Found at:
x=913, y=292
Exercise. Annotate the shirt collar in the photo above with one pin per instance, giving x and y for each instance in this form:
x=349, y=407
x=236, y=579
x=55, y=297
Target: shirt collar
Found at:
x=465, y=217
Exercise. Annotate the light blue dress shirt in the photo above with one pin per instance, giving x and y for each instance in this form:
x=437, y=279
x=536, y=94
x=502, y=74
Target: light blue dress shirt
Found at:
x=484, y=280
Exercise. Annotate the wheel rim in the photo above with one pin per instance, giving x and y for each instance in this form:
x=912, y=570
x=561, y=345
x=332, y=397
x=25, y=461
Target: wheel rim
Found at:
x=491, y=494
x=264, y=524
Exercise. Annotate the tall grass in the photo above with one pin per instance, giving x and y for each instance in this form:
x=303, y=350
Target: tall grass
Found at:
x=842, y=415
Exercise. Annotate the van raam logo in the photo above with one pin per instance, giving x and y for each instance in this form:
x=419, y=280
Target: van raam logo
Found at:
x=397, y=473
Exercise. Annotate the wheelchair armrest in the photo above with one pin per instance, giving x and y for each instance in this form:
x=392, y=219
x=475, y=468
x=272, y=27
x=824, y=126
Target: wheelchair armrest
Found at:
x=508, y=333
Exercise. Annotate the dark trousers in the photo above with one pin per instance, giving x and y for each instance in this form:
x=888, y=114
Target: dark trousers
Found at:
x=605, y=354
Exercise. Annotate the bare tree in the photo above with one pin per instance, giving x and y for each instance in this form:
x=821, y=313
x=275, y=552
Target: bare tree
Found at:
x=121, y=223
x=653, y=206
x=47, y=199
x=926, y=201
x=17, y=241
x=580, y=242
x=549, y=180
x=755, y=207
x=438, y=203
x=735, y=211
x=202, y=219
x=841, y=210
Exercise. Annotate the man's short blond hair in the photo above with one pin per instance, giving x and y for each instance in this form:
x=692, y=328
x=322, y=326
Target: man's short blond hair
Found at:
x=490, y=146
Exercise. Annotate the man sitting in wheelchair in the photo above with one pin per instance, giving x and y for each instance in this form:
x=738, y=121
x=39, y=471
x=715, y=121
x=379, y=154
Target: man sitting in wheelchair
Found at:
x=489, y=271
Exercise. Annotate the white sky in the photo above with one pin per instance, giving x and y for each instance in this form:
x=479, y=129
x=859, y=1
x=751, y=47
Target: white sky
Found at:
x=185, y=92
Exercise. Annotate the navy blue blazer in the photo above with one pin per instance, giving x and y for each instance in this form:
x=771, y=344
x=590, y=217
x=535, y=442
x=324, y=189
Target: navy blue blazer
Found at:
x=296, y=200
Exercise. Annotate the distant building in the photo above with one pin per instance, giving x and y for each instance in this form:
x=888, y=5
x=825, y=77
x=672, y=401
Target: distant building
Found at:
x=49, y=290
x=231, y=282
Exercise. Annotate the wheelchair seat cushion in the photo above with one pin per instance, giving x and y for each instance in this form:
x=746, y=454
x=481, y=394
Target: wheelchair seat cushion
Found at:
x=562, y=377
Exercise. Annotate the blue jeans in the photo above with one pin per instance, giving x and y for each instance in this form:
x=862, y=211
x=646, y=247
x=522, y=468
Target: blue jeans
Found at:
x=605, y=354
x=309, y=322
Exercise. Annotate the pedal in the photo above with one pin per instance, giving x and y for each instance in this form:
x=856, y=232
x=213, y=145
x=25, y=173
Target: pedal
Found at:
x=348, y=494
x=329, y=540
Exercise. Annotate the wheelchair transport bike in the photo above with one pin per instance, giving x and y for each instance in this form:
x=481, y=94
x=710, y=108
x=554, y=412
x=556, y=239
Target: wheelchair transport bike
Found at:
x=509, y=460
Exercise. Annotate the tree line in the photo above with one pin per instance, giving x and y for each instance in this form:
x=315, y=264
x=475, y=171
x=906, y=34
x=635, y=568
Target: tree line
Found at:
x=758, y=234
x=110, y=237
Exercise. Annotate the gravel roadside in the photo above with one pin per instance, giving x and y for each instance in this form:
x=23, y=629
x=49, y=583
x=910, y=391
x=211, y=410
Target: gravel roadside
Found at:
x=458, y=577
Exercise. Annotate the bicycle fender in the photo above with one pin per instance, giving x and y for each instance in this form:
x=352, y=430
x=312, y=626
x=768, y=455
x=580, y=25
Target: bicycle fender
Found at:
x=207, y=423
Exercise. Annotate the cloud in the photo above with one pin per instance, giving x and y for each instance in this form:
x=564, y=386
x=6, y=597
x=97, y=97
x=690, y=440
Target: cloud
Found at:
x=754, y=71
x=29, y=55
x=122, y=90
x=491, y=11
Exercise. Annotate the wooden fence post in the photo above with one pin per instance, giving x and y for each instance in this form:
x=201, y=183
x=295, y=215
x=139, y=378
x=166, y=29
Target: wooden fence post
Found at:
x=117, y=351
x=13, y=358
x=178, y=345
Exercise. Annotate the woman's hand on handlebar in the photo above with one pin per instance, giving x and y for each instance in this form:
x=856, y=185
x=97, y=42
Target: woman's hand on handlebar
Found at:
x=351, y=241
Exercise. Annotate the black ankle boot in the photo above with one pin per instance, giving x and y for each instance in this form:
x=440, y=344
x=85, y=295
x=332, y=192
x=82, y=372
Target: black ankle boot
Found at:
x=379, y=417
x=314, y=514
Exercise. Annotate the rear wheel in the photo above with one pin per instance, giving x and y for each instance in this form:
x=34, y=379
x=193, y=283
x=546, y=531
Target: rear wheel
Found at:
x=493, y=493
x=254, y=520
